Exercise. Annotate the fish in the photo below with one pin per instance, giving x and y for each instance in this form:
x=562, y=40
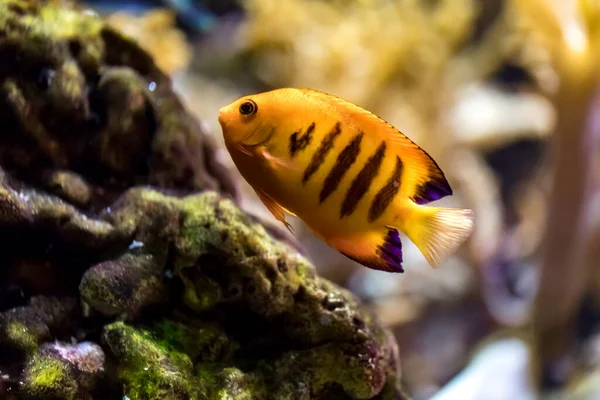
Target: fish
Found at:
x=355, y=181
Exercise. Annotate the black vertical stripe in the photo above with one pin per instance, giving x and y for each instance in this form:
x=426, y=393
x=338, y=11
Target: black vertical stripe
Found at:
x=344, y=161
x=360, y=185
x=298, y=143
x=319, y=157
x=386, y=195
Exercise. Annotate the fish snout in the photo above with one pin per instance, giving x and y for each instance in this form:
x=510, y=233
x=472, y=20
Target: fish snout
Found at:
x=222, y=117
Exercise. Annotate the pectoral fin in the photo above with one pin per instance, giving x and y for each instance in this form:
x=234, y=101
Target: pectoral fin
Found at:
x=275, y=209
x=276, y=162
x=242, y=149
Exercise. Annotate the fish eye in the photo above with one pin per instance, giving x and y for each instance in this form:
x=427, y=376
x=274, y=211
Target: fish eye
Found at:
x=248, y=108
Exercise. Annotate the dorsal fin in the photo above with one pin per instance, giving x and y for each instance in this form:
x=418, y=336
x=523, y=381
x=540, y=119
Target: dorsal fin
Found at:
x=423, y=180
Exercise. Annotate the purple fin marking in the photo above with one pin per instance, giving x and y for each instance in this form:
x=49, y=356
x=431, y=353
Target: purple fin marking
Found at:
x=388, y=255
x=391, y=250
x=431, y=191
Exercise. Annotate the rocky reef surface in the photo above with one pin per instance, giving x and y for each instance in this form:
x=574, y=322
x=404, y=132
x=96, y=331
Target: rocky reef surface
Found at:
x=127, y=270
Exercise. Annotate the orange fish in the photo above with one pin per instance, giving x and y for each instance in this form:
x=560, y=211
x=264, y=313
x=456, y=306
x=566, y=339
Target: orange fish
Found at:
x=354, y=179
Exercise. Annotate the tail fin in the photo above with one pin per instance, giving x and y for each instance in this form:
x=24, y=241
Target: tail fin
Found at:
x=438, y=232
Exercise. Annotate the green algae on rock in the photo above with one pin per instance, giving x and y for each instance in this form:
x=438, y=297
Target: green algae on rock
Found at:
x=47, y=377
x=147, y=370
x=62, y=371
x=25, y=328
x=198, y=340
x=123, y=285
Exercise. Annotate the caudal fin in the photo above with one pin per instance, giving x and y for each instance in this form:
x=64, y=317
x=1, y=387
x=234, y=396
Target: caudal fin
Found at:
x=438, y=232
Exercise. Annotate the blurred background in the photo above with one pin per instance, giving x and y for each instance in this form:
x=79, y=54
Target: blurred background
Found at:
x=503, y=95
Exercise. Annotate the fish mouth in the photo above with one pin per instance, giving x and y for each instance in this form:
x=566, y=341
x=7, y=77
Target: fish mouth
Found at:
x=221, y=117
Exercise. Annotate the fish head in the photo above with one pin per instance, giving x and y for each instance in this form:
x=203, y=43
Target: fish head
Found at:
x=244, y=121
x=251, y=120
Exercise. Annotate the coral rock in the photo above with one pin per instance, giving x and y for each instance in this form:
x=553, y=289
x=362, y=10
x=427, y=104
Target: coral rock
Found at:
x=147, y=370
x=77, y=95
x=123, y=285
x=247, y=302
x=24, y=328
x=61, y=371
x=296, y=332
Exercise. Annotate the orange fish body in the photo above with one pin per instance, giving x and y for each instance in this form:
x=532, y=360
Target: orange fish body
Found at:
x=353, y=179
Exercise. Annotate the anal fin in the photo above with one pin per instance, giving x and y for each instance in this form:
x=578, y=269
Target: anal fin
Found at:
x=274, y=207
x=381, y=251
